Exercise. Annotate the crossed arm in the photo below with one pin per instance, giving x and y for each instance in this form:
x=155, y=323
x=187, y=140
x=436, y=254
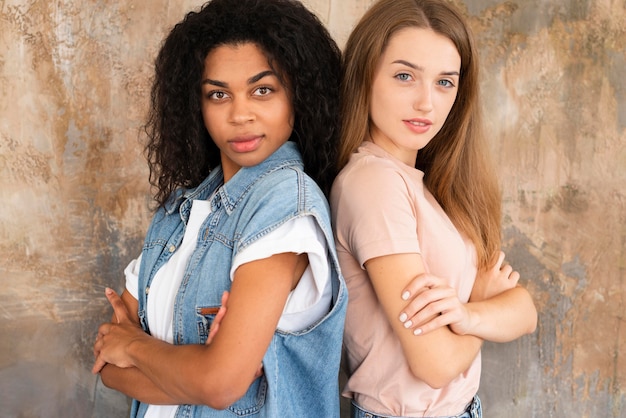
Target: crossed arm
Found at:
x=440, y=335
x=214, y=374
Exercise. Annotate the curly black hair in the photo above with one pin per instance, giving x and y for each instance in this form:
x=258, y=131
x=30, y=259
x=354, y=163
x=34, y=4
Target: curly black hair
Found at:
x=179, y=150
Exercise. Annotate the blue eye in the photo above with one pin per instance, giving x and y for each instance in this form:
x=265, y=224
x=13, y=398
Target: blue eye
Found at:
x=403, y=76
x=445, y=83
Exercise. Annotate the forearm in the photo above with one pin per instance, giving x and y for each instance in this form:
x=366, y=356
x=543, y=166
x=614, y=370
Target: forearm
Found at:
x=504, y=317
x=133, y=383
x=443, y=357
x=437, y=356
x=185, y=373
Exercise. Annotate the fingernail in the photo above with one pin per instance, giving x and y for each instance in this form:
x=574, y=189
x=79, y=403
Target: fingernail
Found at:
x=408, y=324
x=417, y=331
x=403, y=317
x=406, y=295
x=108, y=291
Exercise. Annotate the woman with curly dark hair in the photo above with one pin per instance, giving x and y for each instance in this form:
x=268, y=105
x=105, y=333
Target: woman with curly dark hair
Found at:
x=243, y=123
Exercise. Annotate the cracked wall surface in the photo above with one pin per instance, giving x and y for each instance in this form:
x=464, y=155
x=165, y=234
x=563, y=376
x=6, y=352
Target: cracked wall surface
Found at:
x=74, y=82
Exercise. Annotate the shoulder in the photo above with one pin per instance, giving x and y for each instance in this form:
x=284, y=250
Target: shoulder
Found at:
x=370, y=176
x=287, y=184
x=287, y=190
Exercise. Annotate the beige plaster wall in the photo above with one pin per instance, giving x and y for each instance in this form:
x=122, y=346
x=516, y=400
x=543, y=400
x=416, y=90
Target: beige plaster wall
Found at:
x=74, y=79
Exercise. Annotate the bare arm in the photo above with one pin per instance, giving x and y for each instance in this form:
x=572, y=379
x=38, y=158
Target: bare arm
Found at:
x=438, y=356
x=131, y=381
x=504, y=317
x=499, y=309
x=219, y=373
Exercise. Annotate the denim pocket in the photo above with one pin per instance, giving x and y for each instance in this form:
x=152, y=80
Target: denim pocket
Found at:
x=254, y=399
x=205, y=316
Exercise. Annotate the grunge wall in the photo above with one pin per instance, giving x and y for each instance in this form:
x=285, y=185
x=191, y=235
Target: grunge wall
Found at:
x=74, y=81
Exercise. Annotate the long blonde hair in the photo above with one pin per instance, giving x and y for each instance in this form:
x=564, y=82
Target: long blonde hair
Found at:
x=456, y=167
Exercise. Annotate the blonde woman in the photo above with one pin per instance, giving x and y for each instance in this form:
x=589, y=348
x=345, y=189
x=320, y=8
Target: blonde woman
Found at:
x=416, y=198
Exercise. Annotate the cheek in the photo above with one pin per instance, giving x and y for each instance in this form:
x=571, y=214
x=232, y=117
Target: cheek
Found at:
x=382, y=110
x=210, y=119
x=284, y=119
x=445, y=104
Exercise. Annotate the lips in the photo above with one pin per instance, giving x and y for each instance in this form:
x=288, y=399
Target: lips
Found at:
x=245, y=143
x=418, y=126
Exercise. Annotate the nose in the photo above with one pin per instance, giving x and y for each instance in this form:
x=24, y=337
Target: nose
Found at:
x=240, y=111
x=423, y=99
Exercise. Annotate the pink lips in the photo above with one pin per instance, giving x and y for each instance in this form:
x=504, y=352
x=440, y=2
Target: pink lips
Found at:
x=245, y=143
x=418, y=126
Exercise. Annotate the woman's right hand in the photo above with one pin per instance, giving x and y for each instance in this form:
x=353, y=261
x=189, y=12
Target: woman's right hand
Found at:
x=433, y=303
x=499, y=278
x=215, y=325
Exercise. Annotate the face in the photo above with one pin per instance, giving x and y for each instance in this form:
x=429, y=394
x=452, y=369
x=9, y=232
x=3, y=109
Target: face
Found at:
x=414, y=87
x=246, y=109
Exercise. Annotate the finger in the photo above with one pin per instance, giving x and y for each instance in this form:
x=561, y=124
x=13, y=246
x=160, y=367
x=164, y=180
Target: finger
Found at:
x=119, y=308
x=104, y=329
x=500, y=260
x=225, y=296
x=97, y=345
x=514, y=277
x=432, y=325
x=506, y=270
x=425, y=298
x=433, y=310
x=98, y=365
x=215, y=325
x=420, y=283
x=212, y=333
x=259, y=371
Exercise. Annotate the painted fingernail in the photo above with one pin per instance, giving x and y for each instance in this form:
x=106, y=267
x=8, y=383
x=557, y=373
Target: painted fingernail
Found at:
x=403, y=317
x=408, y=324
x=417, y=331
x=406, y=295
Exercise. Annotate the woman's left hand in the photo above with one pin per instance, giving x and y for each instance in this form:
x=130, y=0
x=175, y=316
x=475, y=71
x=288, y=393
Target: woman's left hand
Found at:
x=433, y=303
x=113, y=338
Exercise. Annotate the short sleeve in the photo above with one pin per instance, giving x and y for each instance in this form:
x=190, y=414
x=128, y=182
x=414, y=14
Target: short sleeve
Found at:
x=132, y=277
x=374, y=211
x=310, y=300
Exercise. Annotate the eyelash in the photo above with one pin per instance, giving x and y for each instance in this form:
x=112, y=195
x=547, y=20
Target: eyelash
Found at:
x=405, y=77
x=212, y=94
x=266, y=88
x=399, y=76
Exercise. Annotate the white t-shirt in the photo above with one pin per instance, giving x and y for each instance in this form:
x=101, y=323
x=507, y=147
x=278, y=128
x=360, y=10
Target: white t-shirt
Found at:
x=307, y=303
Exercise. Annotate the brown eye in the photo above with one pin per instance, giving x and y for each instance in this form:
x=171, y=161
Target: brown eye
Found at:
x=217, y=95
x=263, y=91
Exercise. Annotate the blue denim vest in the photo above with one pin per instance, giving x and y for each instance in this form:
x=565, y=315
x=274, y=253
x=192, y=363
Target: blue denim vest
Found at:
x=301, y=368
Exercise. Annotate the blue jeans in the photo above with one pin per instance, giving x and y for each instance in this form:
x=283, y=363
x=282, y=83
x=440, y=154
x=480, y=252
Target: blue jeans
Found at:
x=474, y=410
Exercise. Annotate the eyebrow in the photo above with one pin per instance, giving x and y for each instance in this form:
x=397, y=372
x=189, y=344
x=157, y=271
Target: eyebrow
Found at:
x=419, y=68
x=251, y=80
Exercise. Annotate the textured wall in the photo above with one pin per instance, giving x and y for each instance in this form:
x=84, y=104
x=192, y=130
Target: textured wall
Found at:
x=74, y=79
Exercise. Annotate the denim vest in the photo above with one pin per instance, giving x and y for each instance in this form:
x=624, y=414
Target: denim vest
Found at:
x=300, y=368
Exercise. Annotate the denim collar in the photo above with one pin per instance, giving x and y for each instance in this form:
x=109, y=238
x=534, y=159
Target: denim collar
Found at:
x=235, y=189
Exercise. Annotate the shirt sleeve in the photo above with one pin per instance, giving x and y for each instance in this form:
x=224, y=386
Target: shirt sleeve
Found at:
x=132, y=277
x=310, y=300
x=374, y=211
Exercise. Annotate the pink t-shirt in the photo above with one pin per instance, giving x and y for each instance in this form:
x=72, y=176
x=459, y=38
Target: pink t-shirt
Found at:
x=381, y=207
